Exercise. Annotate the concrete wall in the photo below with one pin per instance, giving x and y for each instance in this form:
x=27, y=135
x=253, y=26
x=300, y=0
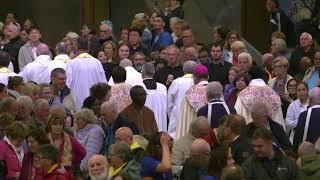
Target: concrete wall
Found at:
x=53, y=17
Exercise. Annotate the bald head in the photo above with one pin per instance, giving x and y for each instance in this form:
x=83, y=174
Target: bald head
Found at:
x=314, y=96
x=124, y=134
x=98, y=166
x=125, y=63
x=43, y=49
x=306, y=148
x=199, y=146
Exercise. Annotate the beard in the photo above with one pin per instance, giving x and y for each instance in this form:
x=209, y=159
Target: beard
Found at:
x=138, y=67
x=103, y=176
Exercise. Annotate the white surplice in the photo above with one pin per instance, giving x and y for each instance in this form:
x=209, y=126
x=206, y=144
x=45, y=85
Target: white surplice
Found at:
x=157, y=102
x=133, y=77
x=258, y=91
x=176, y=93
x=83, y=72
x=5, y=73
x=195, y=98
x=37, y=70
x=60, y=61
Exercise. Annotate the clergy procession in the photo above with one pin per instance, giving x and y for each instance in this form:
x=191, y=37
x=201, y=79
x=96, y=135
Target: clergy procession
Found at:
x=155, y=103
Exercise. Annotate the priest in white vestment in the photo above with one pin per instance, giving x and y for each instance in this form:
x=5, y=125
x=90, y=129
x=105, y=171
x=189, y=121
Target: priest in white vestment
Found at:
x=195, y=98
x=156, y=96
x=133, y=76
x=5, y=72
x=61, y=59
x=83, y=72
x=37, y=71
x=259, y=91
x=176, y=92
x=120, y=91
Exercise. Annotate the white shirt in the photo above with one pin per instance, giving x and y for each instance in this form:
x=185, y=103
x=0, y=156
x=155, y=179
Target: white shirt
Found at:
x=83, y=72
x=37, y=70
x=157, y=102
x=60, y=61
x=293, y=112
x=133, y=77
x=5, y=73
x=176, y=93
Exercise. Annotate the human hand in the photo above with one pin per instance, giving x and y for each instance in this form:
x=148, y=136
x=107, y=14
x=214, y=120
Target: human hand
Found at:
x=170, y=78
x=164, y=139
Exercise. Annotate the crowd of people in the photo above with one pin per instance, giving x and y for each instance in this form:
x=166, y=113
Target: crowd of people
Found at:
x=157, y=104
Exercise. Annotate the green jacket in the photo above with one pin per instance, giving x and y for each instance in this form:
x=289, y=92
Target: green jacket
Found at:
x=278, y=168
x=310, y=167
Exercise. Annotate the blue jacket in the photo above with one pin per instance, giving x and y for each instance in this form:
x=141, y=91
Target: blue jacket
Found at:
x=164, y=39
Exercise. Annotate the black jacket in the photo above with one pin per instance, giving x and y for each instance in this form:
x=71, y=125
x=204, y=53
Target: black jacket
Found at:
x=241, y=149
x=278, y=168
x=313, y=130
x=280, y=137
x=13, y=48
x=191, y=173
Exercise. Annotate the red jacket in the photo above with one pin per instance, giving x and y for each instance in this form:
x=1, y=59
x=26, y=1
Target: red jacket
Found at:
x=9, y=156
x=58, y=173
x=26, y=170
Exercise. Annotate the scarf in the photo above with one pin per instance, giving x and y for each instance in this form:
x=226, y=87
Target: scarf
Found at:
x=113, y=172
x=65, y=150
x=18, y=150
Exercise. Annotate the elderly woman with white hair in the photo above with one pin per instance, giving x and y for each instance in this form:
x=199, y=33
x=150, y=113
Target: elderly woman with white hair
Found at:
x=216, y=107
x=25, y=109
x=244, y=62
x=237, y=47
x=278, y=48
x=89, y=134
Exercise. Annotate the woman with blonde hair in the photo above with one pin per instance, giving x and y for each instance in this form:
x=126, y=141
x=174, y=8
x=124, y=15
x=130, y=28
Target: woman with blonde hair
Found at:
x=109, y=48
x=70, y=150
x=231, y=37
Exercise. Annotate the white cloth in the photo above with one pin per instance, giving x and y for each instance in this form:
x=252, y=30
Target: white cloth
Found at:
x=133, y=77
x=293, y=112
x=157, y=102
x=195, y=98
x=37, y=70
x=11, y=67
x=258, y=91
x=60, y=61
x=176, y=93
x=83, y=72
x=5, y=73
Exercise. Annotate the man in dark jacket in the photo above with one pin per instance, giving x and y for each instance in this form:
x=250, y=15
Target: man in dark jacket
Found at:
x=195, y=167
x=11, y=32
x=267, y=162
x=111, y=122
x=312, y=123
x=279, y=21
x=261, y=119
x=233, y=133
